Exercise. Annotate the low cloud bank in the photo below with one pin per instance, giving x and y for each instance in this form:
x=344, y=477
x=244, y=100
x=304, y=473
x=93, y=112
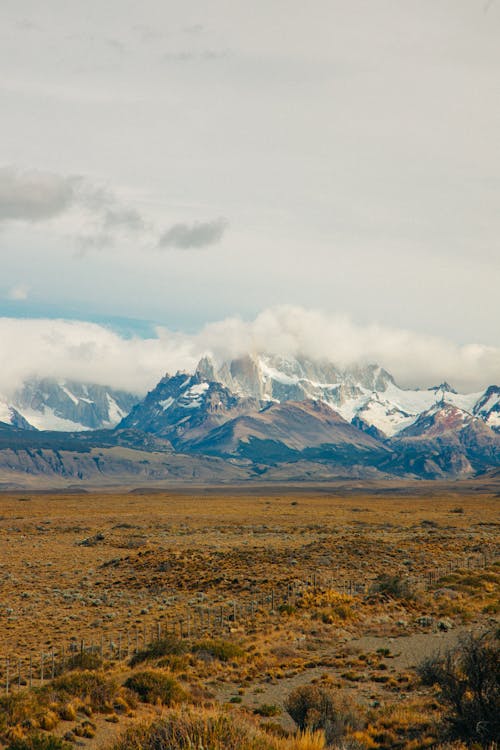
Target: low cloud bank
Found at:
x=94, y=353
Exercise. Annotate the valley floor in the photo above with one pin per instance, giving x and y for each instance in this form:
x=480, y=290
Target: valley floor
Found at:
x=268, y=591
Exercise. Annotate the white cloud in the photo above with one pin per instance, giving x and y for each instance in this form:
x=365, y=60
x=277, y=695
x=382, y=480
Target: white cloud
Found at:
x=91, y=352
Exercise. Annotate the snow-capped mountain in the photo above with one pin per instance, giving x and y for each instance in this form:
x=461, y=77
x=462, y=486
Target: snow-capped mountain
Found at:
x=187, y=407
x=48, y=404
x=252, y=418
x=273, y=409
x=488, y=407
x=365, y=396
x=446, y=440
x=9, y=416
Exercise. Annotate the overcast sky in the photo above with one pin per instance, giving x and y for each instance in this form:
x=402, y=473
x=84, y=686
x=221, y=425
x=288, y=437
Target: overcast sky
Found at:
x=188, y=162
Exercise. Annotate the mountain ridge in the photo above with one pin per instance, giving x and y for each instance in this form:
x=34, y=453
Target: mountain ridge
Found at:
x=260, y=417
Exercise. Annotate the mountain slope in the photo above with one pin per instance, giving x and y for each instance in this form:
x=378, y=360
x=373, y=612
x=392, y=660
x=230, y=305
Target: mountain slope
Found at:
x=186, y=407
x=446, y=441
x=286, y=431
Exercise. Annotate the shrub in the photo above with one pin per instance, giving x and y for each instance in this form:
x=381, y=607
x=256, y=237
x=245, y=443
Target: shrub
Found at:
x=154, y=687
x=267, y=709
x=91, y=687
x=314, y=707
x=468, y=678
x=219, y=649
x=84, y=660
x=393, y=586
x=20, y=707
x=39, y=742
x=167, y=646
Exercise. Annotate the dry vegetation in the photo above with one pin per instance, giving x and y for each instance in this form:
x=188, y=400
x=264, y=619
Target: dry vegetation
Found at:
x=344, y=596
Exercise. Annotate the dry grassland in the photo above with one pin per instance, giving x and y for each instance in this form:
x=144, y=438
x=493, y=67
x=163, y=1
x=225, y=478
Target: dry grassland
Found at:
x=306, y=573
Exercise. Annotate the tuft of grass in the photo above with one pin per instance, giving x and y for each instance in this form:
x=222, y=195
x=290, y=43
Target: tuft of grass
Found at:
x=330, y=605
x=39, y=742
x=197, y=729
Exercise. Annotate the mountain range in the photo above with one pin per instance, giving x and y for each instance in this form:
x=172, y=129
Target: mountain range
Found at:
x=250, y=418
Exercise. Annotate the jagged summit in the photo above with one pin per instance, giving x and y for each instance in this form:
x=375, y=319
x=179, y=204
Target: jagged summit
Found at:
x=443, y=387
x=256, y=412
x=51, y=404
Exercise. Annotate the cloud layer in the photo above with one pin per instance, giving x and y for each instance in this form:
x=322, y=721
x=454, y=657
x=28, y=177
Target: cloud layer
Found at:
x=94, y=353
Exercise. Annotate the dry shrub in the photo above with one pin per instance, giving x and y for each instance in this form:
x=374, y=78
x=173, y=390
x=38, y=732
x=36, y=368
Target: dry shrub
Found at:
x=83, y=660
x=169, y=645
x=155, y=687
x=219, y=649
x=316, y=707
x=468, y=679
x=93, y=688
x=394, y=586
x=22, y=707
x=328, y=605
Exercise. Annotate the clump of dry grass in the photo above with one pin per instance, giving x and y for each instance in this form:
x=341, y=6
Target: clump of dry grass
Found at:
x=327, y=604
x=209, y=728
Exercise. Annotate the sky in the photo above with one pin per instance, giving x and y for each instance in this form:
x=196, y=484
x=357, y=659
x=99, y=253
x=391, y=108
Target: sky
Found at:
x=170, y=169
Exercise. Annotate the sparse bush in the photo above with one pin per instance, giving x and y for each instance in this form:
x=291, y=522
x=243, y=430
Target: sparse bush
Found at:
x=155, y=687
x=468, y=678
x=83, y=660
x=267, y=710
x=393, y=586
x=219, y=649
x=94, y=688
x=21, y=707
x=314, y=707
x=169, y=645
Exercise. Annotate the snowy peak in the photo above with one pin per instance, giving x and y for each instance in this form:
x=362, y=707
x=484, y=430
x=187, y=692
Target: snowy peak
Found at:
x=442, y=418
x=488, y=407
x=186, y=406
x=443, y=388
x=9, y=416
x=366, y=395
x=49, y=404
